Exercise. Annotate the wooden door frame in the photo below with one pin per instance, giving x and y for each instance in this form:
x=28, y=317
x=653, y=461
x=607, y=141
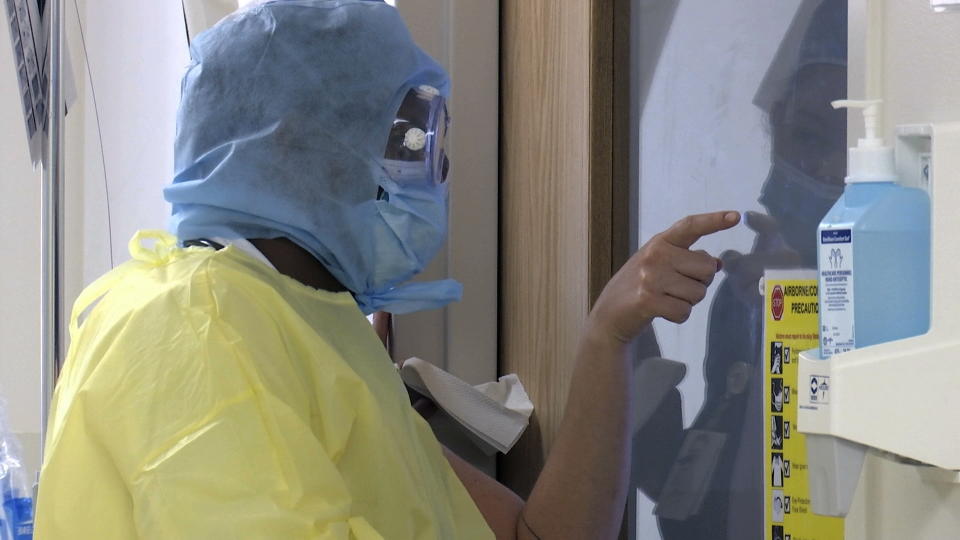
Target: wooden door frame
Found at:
x=565, y=190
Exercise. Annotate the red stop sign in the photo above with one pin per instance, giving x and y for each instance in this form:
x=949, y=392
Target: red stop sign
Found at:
x=776, y=305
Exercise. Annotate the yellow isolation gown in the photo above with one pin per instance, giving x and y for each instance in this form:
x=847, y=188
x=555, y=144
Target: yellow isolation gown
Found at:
x=206, y=395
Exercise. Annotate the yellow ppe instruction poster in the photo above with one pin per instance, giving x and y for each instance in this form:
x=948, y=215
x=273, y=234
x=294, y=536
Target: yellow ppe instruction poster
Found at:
x=791, y=325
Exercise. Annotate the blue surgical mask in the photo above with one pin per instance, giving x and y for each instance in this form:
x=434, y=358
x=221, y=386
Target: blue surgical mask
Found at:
x=412, y=228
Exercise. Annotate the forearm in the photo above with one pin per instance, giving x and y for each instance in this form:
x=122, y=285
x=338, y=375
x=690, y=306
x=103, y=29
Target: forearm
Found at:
x=583, y=486
x=499, y=505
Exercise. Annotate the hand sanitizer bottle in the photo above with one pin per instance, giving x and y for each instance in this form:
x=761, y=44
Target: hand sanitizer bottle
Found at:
x=874, y=251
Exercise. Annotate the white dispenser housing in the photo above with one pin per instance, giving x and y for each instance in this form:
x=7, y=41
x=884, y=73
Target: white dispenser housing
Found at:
x=899, y=397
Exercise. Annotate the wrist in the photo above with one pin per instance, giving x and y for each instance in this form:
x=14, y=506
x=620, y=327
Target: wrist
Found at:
x=597, y=333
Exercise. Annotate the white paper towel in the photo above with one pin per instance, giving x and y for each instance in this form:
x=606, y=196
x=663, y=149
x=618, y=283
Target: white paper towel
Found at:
x=494, y=414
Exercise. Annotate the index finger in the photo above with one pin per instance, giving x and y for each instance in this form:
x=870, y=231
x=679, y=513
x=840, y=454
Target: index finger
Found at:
x=689, y=229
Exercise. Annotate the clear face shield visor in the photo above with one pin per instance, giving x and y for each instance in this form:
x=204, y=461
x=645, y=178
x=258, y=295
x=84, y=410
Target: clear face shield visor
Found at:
x=416, y=148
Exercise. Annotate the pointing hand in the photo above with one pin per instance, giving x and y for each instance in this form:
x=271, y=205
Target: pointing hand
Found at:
x=663, y=279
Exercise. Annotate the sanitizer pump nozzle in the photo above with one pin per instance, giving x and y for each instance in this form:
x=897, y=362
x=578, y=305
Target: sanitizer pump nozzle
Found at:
x=870, y=160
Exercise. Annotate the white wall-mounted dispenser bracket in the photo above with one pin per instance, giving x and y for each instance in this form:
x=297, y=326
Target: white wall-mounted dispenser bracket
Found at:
x=899, y=397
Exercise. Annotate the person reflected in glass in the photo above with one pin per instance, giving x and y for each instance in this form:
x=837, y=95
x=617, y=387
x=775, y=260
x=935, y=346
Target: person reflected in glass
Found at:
x=808, y=149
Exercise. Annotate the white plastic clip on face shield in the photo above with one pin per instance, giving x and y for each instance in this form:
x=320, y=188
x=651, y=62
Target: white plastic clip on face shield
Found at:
x=416, y=147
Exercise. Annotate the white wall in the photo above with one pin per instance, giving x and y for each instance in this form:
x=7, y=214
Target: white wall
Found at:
x=913, y=63
x=19, y=260
x=137, y=51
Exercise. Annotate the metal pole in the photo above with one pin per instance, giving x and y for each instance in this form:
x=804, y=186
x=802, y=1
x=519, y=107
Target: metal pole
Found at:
x=52, y=225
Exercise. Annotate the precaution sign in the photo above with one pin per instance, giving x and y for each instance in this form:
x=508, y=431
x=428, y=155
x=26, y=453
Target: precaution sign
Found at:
x=791, y=325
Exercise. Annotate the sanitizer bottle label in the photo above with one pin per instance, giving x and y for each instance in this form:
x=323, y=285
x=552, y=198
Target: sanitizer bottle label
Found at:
x=836, y=291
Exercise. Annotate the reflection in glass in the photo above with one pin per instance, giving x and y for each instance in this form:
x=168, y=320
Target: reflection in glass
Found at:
x=704, y=479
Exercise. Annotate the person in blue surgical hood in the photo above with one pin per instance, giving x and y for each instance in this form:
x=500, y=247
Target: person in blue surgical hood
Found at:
x=327, y=238
x=226, y=384
x=284, y=107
